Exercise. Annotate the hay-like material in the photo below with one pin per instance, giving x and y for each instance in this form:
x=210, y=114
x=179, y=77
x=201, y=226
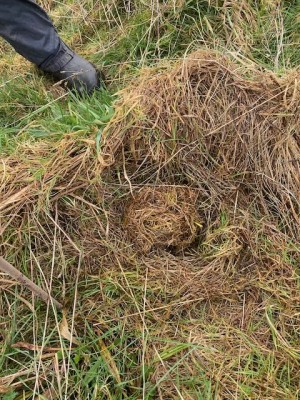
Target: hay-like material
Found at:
x=163, y=217
x=219, y=126
x=229, y=133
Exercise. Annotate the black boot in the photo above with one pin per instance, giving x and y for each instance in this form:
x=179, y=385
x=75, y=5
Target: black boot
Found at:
x=28, y=28
x=73, y=71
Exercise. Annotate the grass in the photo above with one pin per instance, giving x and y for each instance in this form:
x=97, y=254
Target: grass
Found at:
x=139, y=335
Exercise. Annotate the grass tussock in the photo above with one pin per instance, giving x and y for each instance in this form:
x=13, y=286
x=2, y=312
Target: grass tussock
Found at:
x=210, y=122
x=209, y=149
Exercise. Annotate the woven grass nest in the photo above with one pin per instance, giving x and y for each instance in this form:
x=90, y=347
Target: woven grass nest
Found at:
x=162, y=218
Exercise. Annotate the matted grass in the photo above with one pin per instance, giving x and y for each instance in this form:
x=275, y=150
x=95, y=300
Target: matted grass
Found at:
x=217, y=318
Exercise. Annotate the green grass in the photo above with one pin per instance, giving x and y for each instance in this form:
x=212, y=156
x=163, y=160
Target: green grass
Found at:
x=117, y=355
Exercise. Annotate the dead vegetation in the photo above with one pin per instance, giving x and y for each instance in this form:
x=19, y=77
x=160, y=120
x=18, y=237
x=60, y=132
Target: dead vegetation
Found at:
x=203, y=157
x=162, y=218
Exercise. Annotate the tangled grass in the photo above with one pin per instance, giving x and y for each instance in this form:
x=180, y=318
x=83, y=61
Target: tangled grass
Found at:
x=217, y=318
x=162, y=218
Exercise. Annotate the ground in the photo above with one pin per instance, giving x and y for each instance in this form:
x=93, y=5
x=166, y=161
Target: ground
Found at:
x=210, y=313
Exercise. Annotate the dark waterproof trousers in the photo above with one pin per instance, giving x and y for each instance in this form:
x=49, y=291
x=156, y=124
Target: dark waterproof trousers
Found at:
x=28, y=28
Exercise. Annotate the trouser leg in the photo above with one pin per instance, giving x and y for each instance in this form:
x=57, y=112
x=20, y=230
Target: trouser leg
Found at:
x=27, y=27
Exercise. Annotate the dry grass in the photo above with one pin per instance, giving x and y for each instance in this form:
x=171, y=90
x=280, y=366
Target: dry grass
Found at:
x=218, y=317
x=162, y=218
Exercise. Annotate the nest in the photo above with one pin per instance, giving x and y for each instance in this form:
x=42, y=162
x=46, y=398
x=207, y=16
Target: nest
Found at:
x=162, y=218
x=213, y=125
